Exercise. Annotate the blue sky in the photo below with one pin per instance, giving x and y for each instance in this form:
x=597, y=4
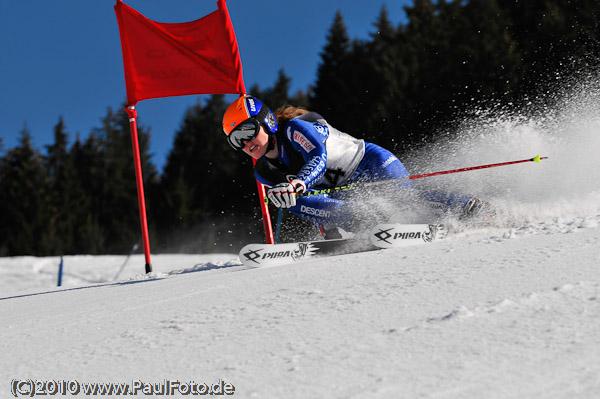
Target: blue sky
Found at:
x=64, y=58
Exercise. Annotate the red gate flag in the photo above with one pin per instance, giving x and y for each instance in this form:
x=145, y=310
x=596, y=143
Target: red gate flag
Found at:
x=175, y=59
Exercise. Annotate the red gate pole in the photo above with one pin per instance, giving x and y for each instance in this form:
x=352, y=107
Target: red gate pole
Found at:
x=264, y=207
x=131, y=111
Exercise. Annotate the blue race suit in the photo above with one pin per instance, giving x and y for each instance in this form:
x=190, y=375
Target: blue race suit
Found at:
x=321, y=156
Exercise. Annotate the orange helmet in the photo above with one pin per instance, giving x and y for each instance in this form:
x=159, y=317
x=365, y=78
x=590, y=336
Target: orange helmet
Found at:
x=242, y=120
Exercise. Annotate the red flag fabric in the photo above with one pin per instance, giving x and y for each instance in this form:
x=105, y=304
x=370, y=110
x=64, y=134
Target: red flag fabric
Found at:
x=174, y=59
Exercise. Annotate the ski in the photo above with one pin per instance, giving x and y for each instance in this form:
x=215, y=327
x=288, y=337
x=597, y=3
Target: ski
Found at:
x=381, y=236
x=264, y=255
x=394, y=235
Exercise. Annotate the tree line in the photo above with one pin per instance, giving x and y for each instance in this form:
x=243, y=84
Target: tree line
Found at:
x=401, y=88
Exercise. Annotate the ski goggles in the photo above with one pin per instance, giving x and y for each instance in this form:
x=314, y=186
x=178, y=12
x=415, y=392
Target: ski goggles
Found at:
x=242, y=133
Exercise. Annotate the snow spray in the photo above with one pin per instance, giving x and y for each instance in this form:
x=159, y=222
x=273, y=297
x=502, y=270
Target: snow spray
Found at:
x=563, y=125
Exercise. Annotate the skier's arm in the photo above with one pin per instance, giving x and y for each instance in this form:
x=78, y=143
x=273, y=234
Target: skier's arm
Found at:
x=310, y=142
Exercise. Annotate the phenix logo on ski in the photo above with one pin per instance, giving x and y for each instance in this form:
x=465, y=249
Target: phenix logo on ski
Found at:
x=303, y=250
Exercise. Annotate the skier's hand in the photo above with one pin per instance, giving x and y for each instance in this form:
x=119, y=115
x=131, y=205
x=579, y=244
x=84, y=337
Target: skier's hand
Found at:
x=283, y=195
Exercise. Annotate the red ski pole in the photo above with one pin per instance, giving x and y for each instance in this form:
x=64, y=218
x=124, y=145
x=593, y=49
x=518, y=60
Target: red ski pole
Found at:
x=493, y=165
x=355, y=186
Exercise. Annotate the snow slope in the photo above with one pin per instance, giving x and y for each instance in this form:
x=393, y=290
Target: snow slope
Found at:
x=505, y=312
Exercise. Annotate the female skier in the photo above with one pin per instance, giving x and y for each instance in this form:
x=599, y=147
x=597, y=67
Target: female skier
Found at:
x=297, y=150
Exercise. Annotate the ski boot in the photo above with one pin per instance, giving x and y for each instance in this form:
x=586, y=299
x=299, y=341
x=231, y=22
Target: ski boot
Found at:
x=476, y=210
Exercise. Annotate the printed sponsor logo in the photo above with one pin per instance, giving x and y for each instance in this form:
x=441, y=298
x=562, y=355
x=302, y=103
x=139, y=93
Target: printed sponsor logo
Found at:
x=320, y=128
x=347, y=187
x=436, y=205
x=388, y=161
x=319, y=192
x=314, y=168
x=255, y=256
x=271, y=120
x=427, y=236
x=252, y=104
x=407, y=236
x=303, y=141
x=275, y=255
x=315, y=211
x=252, y=256
x=301, y=251
x=383, y=235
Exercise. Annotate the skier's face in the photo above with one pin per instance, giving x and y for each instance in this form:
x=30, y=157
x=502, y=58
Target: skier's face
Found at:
x=257, y=147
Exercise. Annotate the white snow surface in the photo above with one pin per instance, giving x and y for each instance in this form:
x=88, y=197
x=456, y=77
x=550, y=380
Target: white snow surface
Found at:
x=511, y=311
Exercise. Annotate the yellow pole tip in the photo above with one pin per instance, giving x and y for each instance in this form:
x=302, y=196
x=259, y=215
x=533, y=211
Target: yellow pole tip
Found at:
x=537, y=159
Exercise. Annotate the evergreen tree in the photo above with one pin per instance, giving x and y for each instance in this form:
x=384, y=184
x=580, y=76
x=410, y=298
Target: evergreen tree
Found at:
x=460, y=55
x=57, y=152
x=481, y=61
x=278, y=95
x=333, y=91
x=386, y=78
x=401, y=87
x=208, y=190
x=23, y=200
x=59, y=235
x=554, y=37
x=118, y=209
x=420, y=41
x=87, y=159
